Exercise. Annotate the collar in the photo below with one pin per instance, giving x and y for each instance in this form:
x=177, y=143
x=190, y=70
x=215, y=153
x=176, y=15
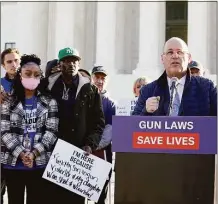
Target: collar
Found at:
x=162, y=80
x=76, y=80
x=104, y=93
x=7, y=78
x=38, y=93
x=57, y=76
x=180, y=81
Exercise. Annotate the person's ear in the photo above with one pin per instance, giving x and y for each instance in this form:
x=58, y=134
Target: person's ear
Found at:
x=3, y=66
x=162, y=58
x=189, y=57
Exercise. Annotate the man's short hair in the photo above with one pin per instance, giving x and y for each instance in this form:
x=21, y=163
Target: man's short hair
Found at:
x=50, y=64
x=8, y=51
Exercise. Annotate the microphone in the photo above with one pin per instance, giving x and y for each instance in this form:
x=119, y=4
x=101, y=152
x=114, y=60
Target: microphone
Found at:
x=173, y=81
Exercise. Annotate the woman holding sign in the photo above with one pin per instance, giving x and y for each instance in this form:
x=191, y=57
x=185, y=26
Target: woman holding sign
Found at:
x=29, y=124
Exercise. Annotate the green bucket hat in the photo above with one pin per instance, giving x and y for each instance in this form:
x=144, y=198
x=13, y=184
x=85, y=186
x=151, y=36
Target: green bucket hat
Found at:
x=66, y=52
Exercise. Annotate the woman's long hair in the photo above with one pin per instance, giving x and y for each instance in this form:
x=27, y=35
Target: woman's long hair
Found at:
x=18, y=91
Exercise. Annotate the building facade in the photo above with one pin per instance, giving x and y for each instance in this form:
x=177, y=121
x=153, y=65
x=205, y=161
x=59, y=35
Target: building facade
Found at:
x=125, y=37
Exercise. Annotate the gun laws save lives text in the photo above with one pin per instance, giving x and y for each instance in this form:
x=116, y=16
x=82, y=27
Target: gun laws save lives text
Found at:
x=160, y=140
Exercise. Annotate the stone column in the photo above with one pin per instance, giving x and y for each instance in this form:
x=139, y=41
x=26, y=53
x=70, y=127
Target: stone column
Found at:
x=61, y=27
x=151, y=38
x=51, y=51
x=31, y=31
x=212, y=37
x=198, y=28
x=105, y=35
x=120, y=33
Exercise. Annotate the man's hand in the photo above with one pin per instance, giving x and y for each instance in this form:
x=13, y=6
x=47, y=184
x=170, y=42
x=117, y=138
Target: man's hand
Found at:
x=152, y=104
x=56, y=69
x=87, y=149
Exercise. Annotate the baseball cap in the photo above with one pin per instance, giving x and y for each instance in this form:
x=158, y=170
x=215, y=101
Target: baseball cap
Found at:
x=85, y=71
x=195, y=64
x=66, y=52
x=99, y=69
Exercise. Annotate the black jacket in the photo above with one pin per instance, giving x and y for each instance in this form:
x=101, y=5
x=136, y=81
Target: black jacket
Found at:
x=87, y=123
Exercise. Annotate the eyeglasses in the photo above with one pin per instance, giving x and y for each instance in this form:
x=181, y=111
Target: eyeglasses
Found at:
x=172, y=53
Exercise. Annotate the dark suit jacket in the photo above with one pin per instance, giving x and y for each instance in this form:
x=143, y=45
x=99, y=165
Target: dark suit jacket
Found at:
x=199, y=97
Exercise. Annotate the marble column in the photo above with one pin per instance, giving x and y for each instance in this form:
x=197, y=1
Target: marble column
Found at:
x=31, y=31
x=105, y=35
x=198, y=31
x=212, y=37
x=151, y=38
x=84, y=35
x=61, y=27
x=119, y=40
x=51, y=51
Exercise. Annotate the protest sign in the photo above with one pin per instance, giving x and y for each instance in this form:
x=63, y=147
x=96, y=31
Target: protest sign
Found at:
x=125, y=107
x=70, y=168
x=179, y=135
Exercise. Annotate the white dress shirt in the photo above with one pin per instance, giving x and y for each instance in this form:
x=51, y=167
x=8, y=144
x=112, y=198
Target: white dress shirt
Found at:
x=179, y=84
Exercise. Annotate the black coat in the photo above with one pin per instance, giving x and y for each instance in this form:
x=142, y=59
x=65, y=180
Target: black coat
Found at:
x=87, y=123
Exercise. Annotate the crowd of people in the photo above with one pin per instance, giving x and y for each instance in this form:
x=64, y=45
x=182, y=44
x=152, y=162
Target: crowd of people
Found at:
x=69, y=103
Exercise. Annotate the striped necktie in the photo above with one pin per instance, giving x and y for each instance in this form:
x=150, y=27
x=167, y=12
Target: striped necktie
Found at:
x=174, y=109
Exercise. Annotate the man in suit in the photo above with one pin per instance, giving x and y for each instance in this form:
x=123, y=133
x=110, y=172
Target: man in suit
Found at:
x=171, y=178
